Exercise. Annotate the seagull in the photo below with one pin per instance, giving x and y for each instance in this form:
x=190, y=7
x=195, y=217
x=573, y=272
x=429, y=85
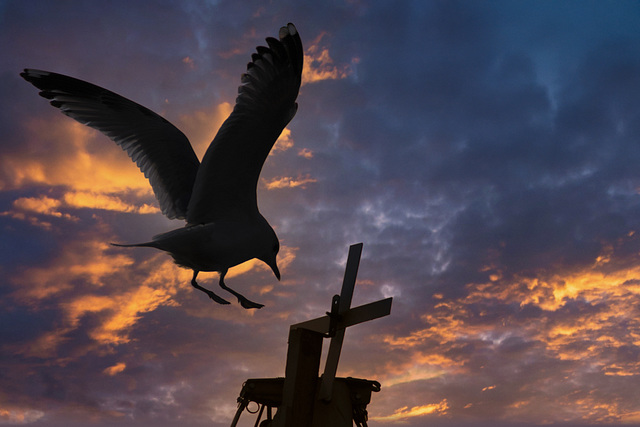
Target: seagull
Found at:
x=217, y=197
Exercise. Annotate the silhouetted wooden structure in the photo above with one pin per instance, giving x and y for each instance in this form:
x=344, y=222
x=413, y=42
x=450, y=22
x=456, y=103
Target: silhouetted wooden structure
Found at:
x=301, y=397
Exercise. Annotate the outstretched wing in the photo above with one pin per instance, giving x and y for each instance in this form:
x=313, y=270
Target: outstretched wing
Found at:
x=226, y=183
x=159, y=149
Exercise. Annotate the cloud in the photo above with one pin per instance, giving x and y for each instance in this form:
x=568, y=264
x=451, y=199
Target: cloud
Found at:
x=90, y=260
x=86, y=199
x=416, y=411
x=19, y=416
x=201, y=126
x=289, y=182
x=284, y=141
x=88, y=283
x=319, y=66
x=574, y=324
x=306, y=153
x=118, y=312
x=61, y=152
x=115, y=369
x=91, y=171
x=33, y=209
x=43, y=205
x=102, y=292
x=188, y=61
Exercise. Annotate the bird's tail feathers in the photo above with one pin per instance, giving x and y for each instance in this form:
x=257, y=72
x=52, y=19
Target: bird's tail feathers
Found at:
x=135, y=245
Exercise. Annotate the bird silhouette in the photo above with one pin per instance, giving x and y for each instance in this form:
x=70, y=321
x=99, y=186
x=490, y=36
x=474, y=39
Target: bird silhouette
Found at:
x=217, y=197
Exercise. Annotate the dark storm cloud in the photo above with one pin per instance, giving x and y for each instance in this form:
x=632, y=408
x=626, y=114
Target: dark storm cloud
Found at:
x=476, y=123
x=576, y=188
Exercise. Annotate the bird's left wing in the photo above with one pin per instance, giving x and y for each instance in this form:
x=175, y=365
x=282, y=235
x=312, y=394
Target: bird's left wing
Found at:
x=160, y=150
x=226, y=183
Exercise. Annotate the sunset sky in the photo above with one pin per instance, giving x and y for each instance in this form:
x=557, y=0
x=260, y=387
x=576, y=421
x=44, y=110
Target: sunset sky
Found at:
x=487, y=154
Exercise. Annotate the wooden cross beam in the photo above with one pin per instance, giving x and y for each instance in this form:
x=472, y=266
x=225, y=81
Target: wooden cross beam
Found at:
x=305, y=346
x=359, y=314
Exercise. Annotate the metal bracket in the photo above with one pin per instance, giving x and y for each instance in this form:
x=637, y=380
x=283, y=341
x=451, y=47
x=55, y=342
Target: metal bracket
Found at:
x=334, y=317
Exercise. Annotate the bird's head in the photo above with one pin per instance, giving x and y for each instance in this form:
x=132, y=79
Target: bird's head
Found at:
x=269, y=257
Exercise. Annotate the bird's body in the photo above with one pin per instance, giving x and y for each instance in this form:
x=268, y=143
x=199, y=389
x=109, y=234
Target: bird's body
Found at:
x=217, y=197
x=215, y=246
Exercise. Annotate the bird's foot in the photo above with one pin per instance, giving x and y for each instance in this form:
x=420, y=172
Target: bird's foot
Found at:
x=247, y=303
x=216, y=298
x=244, y=301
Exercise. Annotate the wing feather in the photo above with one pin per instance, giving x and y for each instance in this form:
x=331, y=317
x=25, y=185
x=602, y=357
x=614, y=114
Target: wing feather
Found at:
x=161, y=151
x=226, y=182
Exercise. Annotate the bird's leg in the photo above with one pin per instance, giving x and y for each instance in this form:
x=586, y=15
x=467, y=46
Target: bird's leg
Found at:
x=244, y=301
x=213, y=296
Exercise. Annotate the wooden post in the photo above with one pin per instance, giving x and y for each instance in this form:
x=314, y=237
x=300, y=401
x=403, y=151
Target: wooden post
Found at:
x=301, y=378
x=346, y=294
x=303, y=398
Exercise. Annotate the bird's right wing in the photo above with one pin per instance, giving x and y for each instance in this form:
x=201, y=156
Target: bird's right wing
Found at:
x=161, y=151
x=227, y=179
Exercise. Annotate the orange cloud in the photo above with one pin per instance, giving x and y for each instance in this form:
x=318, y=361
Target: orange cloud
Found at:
x=289, y=182
x=615, y=292
x=31, y=209
x=71, y=282
x=42, y=205
x=587, y=316
x=306, y=153
x=318, y=64
x=115, y=369
x=630, y=417
x=62, y=152
x=88, y=261
x=285, y=257
x=415, y=411
x=284, y=141
x=19, y=415
x=120, y=311
x=116, y=314
x=87, y=199
x=417, y=369
x=91, y=278
x=201, y=126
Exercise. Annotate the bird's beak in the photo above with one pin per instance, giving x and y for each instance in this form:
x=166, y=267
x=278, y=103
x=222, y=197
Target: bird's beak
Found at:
x=274, y=268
